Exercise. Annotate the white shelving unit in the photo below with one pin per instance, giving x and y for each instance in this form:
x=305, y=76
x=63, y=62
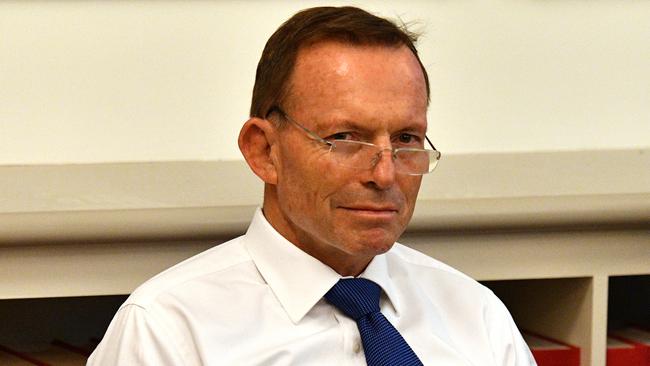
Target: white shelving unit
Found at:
x=546, y=231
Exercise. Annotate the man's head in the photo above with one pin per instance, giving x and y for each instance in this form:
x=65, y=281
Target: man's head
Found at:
x=356, y=77
x=347, y=25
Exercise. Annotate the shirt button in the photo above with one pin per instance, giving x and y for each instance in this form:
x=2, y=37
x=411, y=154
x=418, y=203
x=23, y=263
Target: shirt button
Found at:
x=357, y=347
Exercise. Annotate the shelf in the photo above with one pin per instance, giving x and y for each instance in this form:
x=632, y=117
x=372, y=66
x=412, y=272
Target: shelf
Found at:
x=30, y=325
x=197, y=200
x=629, y=302
x=561, y=309
x=552, y=233
x=539, y=253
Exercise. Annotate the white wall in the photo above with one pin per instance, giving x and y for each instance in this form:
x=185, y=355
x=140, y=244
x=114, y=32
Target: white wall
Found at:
x=152, y=80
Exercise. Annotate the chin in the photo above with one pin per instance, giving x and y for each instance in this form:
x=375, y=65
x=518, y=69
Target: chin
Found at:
x=375, y=244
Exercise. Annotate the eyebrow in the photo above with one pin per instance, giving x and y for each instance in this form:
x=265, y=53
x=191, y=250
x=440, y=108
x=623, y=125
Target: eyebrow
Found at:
x=349, y=124
x=416, y=127
x=343, y=124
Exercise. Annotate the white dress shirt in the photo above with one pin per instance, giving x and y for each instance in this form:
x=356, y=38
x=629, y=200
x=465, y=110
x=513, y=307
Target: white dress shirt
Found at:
x=258, y=300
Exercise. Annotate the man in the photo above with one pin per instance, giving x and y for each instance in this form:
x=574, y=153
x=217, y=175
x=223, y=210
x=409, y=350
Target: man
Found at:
x=337, y=134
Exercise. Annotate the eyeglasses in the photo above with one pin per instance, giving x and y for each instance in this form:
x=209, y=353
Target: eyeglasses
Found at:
x=365, y=155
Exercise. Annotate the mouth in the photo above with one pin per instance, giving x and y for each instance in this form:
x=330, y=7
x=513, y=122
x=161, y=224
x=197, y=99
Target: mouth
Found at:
x=371, y=207
x=372, y=211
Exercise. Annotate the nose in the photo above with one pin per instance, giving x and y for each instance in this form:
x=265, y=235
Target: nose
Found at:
x=383, y=170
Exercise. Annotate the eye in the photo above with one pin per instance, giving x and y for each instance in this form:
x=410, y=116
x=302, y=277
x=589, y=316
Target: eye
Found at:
x=408, y=139
x=340, y=136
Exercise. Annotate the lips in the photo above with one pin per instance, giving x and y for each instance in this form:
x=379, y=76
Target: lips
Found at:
x=371, y=208
x=372, y=212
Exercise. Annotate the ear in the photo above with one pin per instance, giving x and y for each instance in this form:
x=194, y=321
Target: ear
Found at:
x=256, y=140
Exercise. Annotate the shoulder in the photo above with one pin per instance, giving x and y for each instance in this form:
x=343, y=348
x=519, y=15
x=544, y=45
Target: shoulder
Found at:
x=431, y=273
x=418, y=261
x=470, y=311
x=218, y=262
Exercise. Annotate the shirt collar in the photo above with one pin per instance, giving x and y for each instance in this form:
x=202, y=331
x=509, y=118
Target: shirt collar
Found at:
x=378, y=272
x=297, y=279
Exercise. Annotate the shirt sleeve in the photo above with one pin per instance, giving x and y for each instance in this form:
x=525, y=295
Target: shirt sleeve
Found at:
x=135, y=338
x=508, y=345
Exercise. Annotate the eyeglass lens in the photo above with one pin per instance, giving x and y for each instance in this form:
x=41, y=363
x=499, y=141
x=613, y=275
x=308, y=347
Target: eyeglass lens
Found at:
x=361, y=156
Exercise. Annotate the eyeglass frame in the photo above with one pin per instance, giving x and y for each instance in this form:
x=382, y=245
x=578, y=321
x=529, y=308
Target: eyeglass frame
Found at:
x=332, y=144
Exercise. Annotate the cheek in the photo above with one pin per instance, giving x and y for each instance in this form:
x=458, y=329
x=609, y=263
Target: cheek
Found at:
x=305, y=179
x=410, y=186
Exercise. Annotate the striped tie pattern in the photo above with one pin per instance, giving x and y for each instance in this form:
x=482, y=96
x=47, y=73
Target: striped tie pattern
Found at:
x=358, y=298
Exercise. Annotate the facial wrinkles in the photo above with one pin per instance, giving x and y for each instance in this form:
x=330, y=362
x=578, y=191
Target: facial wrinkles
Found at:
x=352, y=192
x=338, y=88
x=368, y=196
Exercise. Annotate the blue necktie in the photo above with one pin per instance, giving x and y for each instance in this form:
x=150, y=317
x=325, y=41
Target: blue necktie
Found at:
x=358, y=298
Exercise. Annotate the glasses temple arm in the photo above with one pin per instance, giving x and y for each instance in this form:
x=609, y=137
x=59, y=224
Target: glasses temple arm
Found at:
x=430, y=144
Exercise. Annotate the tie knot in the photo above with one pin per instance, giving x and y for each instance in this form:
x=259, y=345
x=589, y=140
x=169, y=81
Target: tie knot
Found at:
x=356, y=297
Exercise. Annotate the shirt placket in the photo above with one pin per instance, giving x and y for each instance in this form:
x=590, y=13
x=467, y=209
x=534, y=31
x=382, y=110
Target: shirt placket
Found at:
x=352, y=347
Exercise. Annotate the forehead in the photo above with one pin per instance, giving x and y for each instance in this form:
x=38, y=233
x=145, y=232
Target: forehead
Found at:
x=336, y=81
